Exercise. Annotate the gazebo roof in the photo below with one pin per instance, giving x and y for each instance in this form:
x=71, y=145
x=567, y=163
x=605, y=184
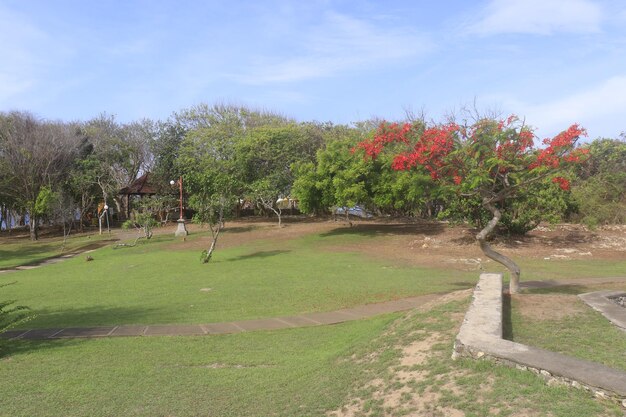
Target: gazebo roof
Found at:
x=141, y=186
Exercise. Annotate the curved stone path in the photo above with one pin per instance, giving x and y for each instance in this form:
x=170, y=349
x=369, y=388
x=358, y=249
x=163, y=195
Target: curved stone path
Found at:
x=303, y=320
x=285, y=322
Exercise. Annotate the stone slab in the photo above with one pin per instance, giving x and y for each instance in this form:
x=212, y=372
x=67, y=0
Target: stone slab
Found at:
x=174, y=330
x=333, y=317
x=262, y=324
x=10, y=334
x=222, y=328
x=129, y=331
x=85, y=332
x=600, y=302
x=40, y=333
x=299, y=321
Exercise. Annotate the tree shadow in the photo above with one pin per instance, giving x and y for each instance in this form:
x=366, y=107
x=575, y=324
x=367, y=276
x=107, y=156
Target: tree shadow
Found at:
x=507, y=322
x=94, y=316
x=558, y=289
x=37, y=250
x=79, y=318
x=391, y=229
x=14, y=347
x=239, y=229
x=464, y=284
x=258, y=254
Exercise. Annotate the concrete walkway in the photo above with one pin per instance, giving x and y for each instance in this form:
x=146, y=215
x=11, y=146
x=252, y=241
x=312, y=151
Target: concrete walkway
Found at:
x=480, y=337
x=303, y=320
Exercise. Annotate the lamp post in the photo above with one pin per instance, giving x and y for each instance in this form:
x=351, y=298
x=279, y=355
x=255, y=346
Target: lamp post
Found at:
x=104, y=212
x=180, y=230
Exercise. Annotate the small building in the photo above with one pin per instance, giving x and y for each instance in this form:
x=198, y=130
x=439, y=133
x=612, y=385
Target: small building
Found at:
x=136, y=190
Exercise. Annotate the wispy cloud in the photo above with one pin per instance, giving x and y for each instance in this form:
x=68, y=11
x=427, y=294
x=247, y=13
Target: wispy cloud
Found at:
x=339, y=44
x=27, y=54
x=602, y=105
x=17, y=59
x=539, y=17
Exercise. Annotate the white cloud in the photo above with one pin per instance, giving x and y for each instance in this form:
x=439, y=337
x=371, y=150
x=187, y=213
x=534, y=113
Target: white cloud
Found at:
x=540, y=17
x=339, y=44
x=27, y=53
x=599, y=109
x=17, y=59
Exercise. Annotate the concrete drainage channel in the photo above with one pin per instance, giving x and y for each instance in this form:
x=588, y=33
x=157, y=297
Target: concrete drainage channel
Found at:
x=480, y=336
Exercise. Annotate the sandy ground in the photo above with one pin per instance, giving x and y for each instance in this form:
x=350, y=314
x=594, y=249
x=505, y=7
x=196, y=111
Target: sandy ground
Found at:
x=434, y=243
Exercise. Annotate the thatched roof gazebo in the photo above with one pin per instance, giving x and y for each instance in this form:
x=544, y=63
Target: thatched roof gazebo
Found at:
x=139, y=188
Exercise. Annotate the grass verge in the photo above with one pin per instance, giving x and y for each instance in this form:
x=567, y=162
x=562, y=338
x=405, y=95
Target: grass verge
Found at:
x=573, y=329
x=154, y=283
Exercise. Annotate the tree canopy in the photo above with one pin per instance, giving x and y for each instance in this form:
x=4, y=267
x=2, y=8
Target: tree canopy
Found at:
x=492, y=160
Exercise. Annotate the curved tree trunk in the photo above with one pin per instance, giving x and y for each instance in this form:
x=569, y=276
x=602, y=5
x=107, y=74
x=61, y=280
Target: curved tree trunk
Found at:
x=481, y=237
x=215, y=233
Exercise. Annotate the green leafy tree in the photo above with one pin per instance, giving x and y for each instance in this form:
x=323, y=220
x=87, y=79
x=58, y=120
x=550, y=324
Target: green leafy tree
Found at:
x=264, y=160
x=338, y=178
x=491, y=159
x=600, y=192
x=34, y=154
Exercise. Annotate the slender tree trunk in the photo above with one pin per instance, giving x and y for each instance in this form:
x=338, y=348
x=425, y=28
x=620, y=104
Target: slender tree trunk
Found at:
x=215, y=232
x=32, y=222
x=496, y=256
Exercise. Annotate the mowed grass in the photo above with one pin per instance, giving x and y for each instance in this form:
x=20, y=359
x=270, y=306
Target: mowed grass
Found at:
x=287, y=373
x=295, y=372
x=585, y=334
x=158, y=283
x=20, y=251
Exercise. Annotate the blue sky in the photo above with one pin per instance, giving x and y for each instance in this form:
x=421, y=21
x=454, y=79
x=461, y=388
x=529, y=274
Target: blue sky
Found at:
x=554, y=62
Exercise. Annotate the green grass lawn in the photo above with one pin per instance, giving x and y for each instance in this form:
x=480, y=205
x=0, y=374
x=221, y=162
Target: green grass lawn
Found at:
x=16, y=252
x=293, y=372
x=586, y=334
x=156, y=283
x=286, y=373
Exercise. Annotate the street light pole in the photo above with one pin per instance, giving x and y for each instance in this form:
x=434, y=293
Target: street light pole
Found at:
x=180, y=230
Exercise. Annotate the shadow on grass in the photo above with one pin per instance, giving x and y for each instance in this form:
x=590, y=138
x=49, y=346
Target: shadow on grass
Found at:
x=465, y=284
x=372, y=230
x=259, y=254
x=51, y=251
x=27, y=251
x=239, y=229
x=507, y=322
x=14, y=347
x=95, y=316
x=560, y=289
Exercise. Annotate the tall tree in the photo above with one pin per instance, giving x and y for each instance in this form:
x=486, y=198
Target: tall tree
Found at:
x=122, y=153
x=264, y=159
x=600, y=193
x=35, y=154
x=491, y=159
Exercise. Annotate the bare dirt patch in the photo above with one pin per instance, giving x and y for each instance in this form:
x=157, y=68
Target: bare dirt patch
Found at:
x=548, y=306
x=402, y=391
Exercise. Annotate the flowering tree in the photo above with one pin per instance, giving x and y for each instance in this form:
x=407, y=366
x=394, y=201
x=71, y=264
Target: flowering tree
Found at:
x=492, y=159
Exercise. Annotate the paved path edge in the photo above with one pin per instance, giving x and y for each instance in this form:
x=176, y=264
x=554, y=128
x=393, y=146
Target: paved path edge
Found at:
x=480, y=337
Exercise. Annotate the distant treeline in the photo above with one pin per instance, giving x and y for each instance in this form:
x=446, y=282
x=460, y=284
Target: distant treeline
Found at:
x=54, y=172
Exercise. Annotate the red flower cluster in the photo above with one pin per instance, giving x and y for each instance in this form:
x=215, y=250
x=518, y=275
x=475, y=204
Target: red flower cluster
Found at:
x=430, y=151
x=558, y=147
x=491, y=149
x=563, y=183
x=387, y=133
